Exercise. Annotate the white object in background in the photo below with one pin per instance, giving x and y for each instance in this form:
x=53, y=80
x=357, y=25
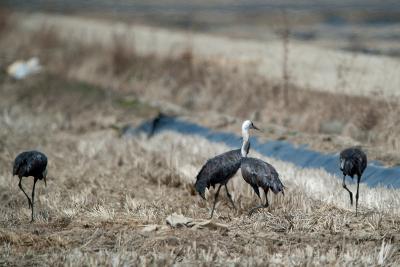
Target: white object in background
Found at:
x=21, y=69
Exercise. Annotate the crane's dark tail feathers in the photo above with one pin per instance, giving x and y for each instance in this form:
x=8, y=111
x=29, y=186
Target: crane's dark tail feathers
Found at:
x=283, y=189
x=255, y=188
x=348, y=166
x=277, y=187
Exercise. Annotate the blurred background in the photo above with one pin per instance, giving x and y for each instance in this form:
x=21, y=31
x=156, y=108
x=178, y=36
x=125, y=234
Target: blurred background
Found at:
x=314, y=67
x=359, y=26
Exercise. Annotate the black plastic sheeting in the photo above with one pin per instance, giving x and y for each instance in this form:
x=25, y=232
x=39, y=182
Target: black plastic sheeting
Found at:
x=374, y=175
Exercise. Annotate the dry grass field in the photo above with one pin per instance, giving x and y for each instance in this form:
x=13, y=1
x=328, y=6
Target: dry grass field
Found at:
x=108, y=196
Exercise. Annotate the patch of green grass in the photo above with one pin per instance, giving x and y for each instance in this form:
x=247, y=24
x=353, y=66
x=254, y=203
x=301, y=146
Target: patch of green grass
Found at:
x=76, y=95
x=128, y=102
x=133, y=104
x=84, y=88
x=48, y=84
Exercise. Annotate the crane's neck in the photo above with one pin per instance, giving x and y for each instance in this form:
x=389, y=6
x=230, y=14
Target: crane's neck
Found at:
x=246, y=144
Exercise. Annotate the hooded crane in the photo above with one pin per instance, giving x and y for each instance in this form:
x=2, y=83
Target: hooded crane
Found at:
x=353, y=161
x=30, y=163
x=259, y=173
x=220, y=169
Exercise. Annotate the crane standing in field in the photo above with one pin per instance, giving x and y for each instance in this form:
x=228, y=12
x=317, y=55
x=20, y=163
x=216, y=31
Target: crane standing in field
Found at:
x=30, y=163
x=220, y=169
x=353, y=161
x=259, y=173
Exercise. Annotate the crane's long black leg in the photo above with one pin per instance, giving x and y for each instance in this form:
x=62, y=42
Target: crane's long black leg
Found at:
x=230, y=197
x=266, y=197
x=358, y=184
x=33, y=196
x=215, y=200
x=20, y=186
x=345, y=187
x=262, y=206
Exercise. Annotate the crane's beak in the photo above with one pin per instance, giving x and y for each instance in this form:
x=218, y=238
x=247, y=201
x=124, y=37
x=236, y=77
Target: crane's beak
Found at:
x=45, y=183
x=256, y=128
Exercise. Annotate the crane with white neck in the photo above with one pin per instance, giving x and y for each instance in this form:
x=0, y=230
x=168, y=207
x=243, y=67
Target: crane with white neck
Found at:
x=221, y=168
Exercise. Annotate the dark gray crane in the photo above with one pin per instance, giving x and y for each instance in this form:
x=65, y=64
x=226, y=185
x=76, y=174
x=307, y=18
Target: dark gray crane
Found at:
x=259, y=173
x=30, y=163
x=220, y=169
x=353, y=161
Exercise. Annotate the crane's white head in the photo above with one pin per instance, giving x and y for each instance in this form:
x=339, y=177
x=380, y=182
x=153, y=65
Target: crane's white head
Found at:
x=247, y=125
